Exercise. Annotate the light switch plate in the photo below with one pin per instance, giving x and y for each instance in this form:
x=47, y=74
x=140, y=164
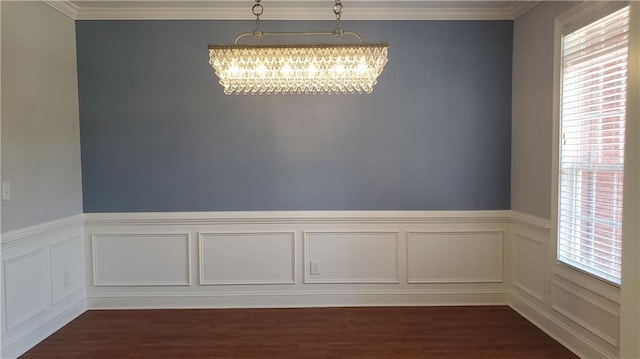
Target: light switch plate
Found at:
x=6, y=190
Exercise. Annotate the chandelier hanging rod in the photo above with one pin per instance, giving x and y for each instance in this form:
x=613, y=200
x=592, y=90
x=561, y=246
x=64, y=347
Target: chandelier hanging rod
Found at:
x=258, y=9
x=259, y=34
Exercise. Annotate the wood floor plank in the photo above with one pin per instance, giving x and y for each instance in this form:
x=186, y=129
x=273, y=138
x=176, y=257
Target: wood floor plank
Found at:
x=367, y=332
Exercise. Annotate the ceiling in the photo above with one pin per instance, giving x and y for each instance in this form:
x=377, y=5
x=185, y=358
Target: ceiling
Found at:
x=292, y=9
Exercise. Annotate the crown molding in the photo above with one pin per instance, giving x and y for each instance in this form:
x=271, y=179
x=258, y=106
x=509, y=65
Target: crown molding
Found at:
x=522, y=7
x=282, y=10
x=293, y=14
x=64, y=6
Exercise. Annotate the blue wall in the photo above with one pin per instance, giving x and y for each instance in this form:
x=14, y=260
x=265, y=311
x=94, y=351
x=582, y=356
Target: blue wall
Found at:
x=158, y=134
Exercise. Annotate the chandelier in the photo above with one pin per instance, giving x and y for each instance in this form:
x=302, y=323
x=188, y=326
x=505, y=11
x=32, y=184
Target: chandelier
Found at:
x=318, y=68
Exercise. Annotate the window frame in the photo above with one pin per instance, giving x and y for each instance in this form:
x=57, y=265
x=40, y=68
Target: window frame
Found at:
x=578, y=17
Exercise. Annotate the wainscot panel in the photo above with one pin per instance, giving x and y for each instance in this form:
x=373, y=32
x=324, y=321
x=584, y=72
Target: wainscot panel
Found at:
x=455, y=257
x=528, y=266
x=141, y=259
x=27, y=286
x=247, y=258
x=67, y=258
x=43, y=268
x=351, y=257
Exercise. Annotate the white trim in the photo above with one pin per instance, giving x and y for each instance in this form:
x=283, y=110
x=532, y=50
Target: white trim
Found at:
x=535, y=223
x=64, y=6
x=284, y=10
x=528, y=237
x=547, y=314
x=299, y=299
x=97, y=283
x=55, y=244
x=528, y=291
x=588, y=282
x=41, y=230
x=244, y=13
x=521, y=7
x=26, y=342
x=203, y=282
x=34, y=311
x=567, y=336
x=42, y=321
x=384, y=221
x=290, y=217
x=585, y=13
x=581, y=322
x=455, y=280
x=1, y=177
x=630, y=295
x=516, y=236
x=304, y=293
x=552, y=249
x=308, y=279
x=356, y=292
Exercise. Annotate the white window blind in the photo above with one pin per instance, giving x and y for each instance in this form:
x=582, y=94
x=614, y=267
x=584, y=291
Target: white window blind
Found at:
x=591, y=157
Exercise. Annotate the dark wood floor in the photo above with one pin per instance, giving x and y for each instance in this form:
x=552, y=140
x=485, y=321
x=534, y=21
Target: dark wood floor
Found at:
x=390, y=332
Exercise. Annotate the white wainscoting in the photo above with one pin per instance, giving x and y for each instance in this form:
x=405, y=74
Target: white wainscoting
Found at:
x=43, y=282
x=67, y=257
x=247, y=258
x=601, y=320
x=529, y=263
x=351, y=257
x=263, y=259
x=436, y=257
x=141, y=259
x=577, y=310
x=27, y=283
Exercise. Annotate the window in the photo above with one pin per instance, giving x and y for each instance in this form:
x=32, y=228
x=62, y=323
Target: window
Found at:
x=591, y=147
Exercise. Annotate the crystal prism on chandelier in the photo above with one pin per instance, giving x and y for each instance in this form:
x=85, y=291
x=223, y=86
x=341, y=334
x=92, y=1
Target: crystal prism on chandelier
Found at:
x=273, y=69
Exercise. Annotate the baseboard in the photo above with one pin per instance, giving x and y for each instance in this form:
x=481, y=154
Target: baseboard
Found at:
x=297, y=299
x=29, y=340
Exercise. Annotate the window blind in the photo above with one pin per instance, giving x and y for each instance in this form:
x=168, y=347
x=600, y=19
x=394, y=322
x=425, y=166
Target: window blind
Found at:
x=591, y=156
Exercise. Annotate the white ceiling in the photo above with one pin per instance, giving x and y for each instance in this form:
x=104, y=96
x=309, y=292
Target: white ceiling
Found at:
x=293, y=9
